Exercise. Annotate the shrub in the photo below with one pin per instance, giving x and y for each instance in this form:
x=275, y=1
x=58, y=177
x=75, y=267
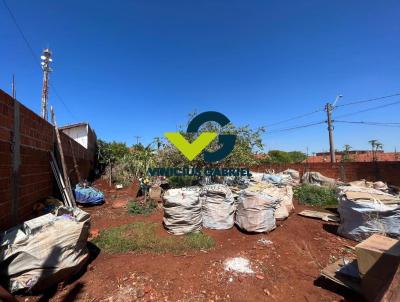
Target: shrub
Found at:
x=315, y=195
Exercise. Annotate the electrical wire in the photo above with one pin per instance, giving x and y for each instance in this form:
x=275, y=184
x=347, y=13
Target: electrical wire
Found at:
x=34, y=56
x=368, y=100
x=384, y=124
x=295, y=127
x=368, y=109
x=295, y=118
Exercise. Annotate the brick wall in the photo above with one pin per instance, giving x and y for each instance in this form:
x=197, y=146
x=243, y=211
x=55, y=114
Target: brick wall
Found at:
x=32, y=180
x=372, y=171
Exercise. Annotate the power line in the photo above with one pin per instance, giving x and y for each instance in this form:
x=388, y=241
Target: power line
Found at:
x=369, y=100
x=295, y=117
x=385, y=124
x=296, y=127
x=34, y=56
x=368, y=109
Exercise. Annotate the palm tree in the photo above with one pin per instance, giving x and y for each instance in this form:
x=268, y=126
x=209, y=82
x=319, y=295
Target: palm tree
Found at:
x=375, y=146
x=346, y=150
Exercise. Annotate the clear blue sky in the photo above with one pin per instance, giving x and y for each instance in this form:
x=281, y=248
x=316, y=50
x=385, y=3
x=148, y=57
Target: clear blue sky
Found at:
x=139, y=67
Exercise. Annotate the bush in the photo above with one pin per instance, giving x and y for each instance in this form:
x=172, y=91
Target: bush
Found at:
x=136, y=208
x=315, y=195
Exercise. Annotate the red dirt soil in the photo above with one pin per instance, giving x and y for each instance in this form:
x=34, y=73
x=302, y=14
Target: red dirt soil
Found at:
x=286, y=270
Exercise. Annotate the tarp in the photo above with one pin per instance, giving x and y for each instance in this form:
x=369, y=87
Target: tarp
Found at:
x=365, y=211
x=217, y=207
x=88, y=195
x=44, y=251
x=182, y=210
x=256, y=211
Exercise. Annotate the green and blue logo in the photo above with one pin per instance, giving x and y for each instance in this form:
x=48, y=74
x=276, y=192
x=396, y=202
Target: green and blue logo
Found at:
x=192, y=149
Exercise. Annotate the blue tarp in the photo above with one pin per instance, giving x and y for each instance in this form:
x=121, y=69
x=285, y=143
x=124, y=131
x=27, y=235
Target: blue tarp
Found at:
x=88, y=195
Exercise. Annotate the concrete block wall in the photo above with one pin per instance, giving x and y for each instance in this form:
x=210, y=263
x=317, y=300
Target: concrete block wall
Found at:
x=25, y=173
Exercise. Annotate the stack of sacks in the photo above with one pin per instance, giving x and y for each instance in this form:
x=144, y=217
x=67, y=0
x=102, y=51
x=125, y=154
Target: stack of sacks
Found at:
x=182, y=210
x=256, y=211
x=365, y=211
x=218, y=207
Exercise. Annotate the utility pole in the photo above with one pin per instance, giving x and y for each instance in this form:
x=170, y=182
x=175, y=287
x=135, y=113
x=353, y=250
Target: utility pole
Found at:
x=328, y=108
x=46, y=60
x=137, y=139
x=14, y=92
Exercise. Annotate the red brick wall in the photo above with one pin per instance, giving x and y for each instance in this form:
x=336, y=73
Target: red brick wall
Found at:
x=372, y=171
x=35, y=180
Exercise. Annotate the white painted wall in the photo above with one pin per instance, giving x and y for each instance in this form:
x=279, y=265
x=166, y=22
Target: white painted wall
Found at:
x=79, y=134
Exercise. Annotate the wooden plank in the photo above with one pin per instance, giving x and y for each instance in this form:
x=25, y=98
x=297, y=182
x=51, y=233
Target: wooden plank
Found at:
x=331, y=272
x=63, y=164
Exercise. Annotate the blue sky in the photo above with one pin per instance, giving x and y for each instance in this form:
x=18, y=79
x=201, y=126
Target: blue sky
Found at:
x=139, y=67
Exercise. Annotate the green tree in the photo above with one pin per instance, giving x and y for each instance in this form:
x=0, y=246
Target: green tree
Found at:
x=283, y=157
x=248, y=142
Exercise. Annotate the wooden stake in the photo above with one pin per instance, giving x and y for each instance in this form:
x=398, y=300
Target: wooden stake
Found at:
x=63, y=164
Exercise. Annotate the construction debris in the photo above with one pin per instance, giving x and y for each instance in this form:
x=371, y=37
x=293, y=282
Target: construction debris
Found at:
x=218, y=207
x=182, y=210
x=44, y=251
x=377, y=262
x=238, y=265
x=365, y=211
x=316, y=178
x=256, y=211
x=320, y=215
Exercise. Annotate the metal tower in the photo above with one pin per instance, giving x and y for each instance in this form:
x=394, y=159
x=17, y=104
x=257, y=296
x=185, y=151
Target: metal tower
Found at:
x=46, y=60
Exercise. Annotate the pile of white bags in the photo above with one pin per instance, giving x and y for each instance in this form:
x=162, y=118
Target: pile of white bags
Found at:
x=365, y=211
x=44, y=251
x=256, y=211
x=218, y=207
x=182, y=210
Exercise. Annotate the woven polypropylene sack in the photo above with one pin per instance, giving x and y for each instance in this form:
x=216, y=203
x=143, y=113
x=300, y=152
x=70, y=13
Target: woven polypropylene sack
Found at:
x=256, y=211
x=182, y=210
x=218, y=207
x=360, y=218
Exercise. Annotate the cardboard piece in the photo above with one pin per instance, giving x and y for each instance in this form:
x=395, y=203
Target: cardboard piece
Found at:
x=375, y=251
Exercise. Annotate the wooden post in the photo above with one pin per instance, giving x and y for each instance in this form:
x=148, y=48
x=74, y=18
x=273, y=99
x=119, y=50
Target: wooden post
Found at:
x=63, y=164
x=76, y=167
x=16, y=162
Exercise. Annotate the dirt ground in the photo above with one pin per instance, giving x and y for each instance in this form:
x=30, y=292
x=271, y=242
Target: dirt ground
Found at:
x=286, y=270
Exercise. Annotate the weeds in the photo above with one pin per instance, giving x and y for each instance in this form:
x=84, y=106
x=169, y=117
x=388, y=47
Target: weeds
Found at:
x=315, y=195
x=141, y=237
x=135, y=208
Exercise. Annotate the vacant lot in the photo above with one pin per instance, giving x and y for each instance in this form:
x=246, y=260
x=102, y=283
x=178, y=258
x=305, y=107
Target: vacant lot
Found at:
x=285, y=270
